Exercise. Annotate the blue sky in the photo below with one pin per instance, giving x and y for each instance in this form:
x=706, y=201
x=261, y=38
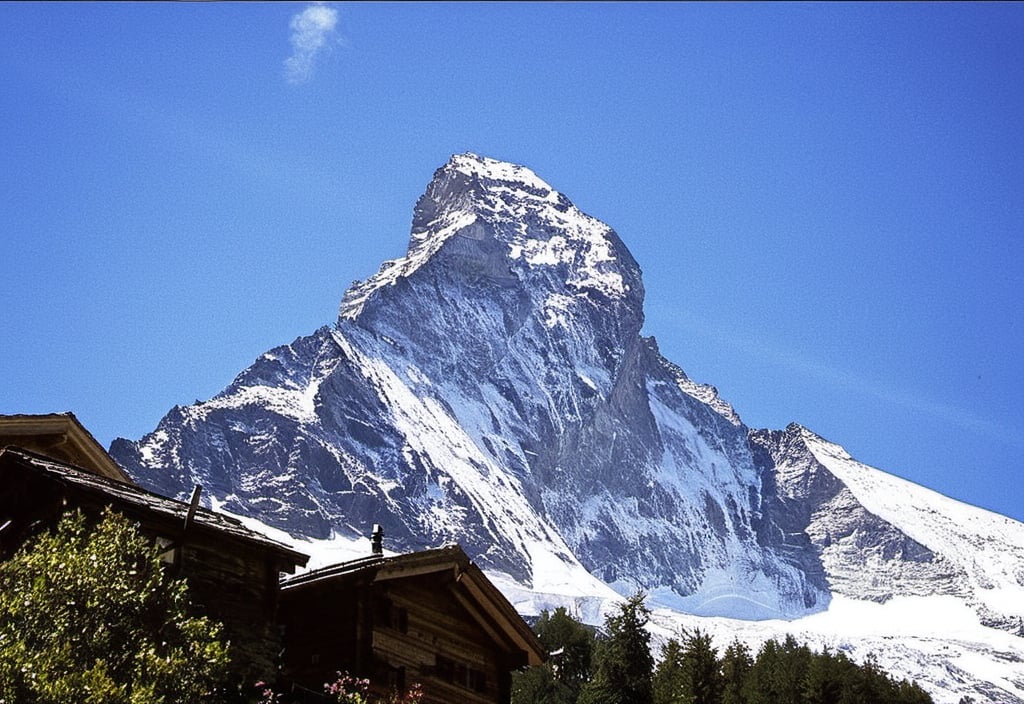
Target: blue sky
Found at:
x=825, y=198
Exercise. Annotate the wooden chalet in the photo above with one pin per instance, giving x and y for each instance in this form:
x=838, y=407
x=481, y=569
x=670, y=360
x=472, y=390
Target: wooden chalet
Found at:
x=233, y=572
x=430, y=617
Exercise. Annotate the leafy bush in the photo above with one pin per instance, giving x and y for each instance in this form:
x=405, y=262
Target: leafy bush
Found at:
x=88, y=615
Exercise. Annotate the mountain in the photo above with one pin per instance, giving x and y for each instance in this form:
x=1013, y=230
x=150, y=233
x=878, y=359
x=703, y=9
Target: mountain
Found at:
x=492, y=388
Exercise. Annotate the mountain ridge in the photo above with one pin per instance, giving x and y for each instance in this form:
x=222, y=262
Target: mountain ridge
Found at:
x=492, y=387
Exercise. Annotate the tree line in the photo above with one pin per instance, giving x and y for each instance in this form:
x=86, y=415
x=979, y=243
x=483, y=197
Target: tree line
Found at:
x=618, y=667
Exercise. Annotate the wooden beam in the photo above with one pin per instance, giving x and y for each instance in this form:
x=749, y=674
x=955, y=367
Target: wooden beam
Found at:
x=492, y=632
x=510, y=630
x=193, y=504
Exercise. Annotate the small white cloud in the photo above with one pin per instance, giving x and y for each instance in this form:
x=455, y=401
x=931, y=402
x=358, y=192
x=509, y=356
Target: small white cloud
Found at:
x=311, y=30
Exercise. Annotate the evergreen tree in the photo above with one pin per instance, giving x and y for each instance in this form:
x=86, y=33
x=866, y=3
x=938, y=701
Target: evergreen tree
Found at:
x=538, y=685
x=701, y=669
x=823, y=680
x=573, y=642
x=859, y=686
x=689, y=672
x=794, y=659
x=736, y=666
x=762, y=686
x=668, y=683
x=911, y=693
x=622, y=660
x=88, y=615
x=559, y=680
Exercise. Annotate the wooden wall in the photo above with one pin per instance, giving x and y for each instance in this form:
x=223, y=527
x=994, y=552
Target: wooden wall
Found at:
x=397, y=633
x=239, y=589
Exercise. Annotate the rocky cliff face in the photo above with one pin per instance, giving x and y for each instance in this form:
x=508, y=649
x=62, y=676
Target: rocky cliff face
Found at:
x=491, y=387
x=862, y=554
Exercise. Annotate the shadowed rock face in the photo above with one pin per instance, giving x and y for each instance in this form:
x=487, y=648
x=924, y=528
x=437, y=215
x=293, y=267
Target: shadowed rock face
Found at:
x=864, y=556
x=491, y=387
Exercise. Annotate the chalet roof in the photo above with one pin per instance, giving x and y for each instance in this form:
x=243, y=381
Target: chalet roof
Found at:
x=61, y=436
x=382, y=567
x=136, y=501
x=487, y=605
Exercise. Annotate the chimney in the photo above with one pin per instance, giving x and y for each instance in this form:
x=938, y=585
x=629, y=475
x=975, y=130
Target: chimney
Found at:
x=377, y=540
x=192, y=506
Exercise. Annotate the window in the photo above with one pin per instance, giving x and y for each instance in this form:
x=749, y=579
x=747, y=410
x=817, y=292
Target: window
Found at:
x=396, y=678
x=460, y=674
x=169, y=550
x=388, y=615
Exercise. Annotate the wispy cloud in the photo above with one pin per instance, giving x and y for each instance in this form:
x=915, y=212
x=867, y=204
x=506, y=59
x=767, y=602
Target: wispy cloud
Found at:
x=311, y=30
x=844, y=380
x=891, y=393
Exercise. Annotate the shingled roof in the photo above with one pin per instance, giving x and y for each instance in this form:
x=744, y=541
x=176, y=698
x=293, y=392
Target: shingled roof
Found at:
x=140, y=504
x=485, y=603
x=60, y=436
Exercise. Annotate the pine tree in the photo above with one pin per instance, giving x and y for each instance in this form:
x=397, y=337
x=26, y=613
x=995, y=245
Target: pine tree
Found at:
x=823, y=680
x=559, y=680
x=763, y=681
x=736, y=666
x=911, y=693
x=669, y=686
x=793, y=663
x=574, y=642
x=538, y=685
x=622, y=661
x=702, y=670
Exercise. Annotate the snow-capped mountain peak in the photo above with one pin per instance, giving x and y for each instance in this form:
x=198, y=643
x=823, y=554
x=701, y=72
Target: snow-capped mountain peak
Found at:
x=499, y=220
x=491, y=388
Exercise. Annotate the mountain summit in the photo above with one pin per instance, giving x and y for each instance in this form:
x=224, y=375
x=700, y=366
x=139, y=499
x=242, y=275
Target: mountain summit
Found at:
x=491, y=388
x=498, y=221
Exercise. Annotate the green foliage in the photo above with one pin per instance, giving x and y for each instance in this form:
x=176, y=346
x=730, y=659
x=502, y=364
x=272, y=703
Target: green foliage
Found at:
x=824, y=676
x=736, y=666
x=87, y=615
x=669, y=685
x=688, y=672
x=559, y=631
x=791, y=670
x=622, y=661
x=783, y=673
x=538, y=685
x=559, y=680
